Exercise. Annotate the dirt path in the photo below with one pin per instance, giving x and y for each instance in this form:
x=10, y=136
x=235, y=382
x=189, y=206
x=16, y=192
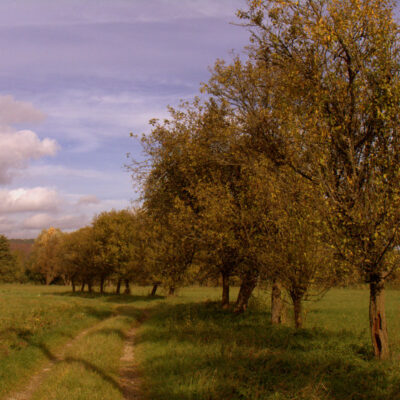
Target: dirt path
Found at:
x=54, y=358
x=129, y=376
x=130, y=379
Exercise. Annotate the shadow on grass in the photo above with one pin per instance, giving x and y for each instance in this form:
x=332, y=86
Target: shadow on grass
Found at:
x=54, y=359
x=198, y=351
x=108, y=297
x=19, y=338
x=57, y=358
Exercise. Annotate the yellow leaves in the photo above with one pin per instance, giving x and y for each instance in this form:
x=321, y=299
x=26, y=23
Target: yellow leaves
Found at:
x=256, y=3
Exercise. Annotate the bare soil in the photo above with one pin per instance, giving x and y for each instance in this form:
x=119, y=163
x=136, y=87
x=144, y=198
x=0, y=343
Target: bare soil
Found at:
x=130, y=380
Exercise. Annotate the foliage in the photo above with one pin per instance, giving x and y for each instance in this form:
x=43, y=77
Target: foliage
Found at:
x=336, y=69
x=113, y=240
x=46, y=254
x=7, y=261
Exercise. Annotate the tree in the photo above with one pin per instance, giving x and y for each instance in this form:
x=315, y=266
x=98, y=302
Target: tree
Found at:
x=305, y=265
x=46, y=254
x=73, y=262
x=171, y=248
x=197, y=190
x=7, y=261
x=114, y=240
x=336, y=64
x=79, y=261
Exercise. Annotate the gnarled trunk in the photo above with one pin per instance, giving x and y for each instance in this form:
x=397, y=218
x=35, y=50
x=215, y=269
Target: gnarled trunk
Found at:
x=225, y=290
x=249, y=282
x=277, y=304
x=154, y=290
x=127, y=287
x=118, y=288
x=377, y=320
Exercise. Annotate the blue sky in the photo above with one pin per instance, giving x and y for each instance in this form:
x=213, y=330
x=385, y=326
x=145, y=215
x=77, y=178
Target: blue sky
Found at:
x=76, y=77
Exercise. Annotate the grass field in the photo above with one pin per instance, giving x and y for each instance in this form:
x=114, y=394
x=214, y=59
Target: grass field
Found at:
x=189, y=348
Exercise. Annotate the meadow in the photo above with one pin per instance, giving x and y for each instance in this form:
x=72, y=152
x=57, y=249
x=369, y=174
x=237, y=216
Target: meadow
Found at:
x=188, y=348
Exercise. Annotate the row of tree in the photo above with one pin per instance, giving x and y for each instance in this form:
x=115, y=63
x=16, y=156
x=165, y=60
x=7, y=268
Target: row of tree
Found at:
x=107, y=250
x=289, y=169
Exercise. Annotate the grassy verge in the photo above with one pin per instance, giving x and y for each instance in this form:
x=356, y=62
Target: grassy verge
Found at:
x=194, y=350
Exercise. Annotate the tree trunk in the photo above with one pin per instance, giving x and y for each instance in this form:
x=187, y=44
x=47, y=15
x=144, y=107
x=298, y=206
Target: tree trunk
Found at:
x=83, y=287
x=277, y=305
x=249, y=282
x=73, y=285
x=377, y=320
x=171, y=291
x=297, y=311
x=90, y=287
x=225, y=290
x=49, y=278
x=127, y=287
x=102, y=285
x=154, y=290
x=118, y=289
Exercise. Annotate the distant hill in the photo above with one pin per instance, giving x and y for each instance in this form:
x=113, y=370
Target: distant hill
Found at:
x=23, y=246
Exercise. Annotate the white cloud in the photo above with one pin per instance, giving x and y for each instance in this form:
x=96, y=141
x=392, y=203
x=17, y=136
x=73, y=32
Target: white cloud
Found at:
x=45, y=220
x=24, y=213
x=25, y=200
x=18, y=147
x=14, y=112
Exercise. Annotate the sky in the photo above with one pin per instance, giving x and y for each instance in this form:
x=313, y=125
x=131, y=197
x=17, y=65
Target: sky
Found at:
x=76, y=77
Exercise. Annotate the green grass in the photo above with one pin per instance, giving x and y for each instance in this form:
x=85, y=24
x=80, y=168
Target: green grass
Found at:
x=189, y=348
x=36, y=321
x=195, y=350
x=90, y=368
